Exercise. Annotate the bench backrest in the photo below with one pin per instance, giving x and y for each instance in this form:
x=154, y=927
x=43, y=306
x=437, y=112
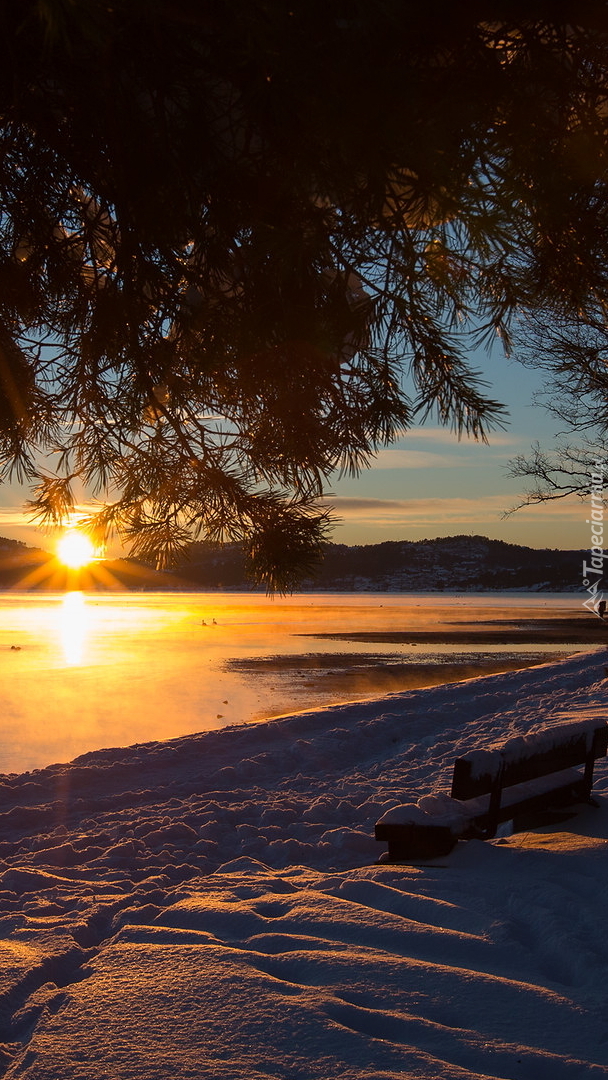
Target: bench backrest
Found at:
x=528, y=757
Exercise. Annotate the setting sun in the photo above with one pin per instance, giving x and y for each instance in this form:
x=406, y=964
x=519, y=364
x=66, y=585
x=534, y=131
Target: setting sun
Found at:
x=75, y=549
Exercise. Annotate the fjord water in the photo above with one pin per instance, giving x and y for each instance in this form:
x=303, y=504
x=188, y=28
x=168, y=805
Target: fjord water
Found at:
x=86, y=671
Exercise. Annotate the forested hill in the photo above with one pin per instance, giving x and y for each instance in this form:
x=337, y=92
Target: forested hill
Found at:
x=467, y=563
x=33, y=569
x=460, y=563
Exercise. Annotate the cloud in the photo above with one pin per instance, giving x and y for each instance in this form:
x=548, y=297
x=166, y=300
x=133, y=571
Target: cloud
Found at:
x=449, y=510
x=416, y=459
x=462, y=456
x=447, y=437
x=14, y=515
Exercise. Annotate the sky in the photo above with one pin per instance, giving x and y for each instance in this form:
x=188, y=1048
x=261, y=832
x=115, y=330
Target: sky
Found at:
x=430, y=484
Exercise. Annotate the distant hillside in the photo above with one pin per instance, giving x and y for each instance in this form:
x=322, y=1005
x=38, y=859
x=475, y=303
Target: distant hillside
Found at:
x=23, y=567
x=461, y=563
x=454, y=563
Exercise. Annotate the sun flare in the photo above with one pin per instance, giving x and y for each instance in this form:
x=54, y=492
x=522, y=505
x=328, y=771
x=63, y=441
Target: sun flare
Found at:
x=75, y=550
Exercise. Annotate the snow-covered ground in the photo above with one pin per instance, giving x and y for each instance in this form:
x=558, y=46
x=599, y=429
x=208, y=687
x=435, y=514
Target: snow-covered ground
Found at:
x=211, y=907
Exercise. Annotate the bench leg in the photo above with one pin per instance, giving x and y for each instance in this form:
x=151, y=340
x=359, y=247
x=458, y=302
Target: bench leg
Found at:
x=588, y=777
x=410, y=842
x=494, y=807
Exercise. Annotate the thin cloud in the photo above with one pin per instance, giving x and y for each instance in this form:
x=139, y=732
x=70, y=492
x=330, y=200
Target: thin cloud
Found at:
x=416, y=459
x=461, y=457
x=447, y=437
x=448, y=510
x=13, y=515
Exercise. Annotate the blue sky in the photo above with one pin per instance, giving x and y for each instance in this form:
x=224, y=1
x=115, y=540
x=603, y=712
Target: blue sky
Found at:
x=429, y=484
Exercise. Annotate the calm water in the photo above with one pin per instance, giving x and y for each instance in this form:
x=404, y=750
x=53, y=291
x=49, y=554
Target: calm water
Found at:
x=80, y=672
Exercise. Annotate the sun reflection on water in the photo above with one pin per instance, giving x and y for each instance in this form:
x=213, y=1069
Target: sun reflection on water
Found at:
x=74, y=618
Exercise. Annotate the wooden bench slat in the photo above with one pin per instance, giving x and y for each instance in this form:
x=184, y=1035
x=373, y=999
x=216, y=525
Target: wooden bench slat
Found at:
x=566, y=786
x=467, y=785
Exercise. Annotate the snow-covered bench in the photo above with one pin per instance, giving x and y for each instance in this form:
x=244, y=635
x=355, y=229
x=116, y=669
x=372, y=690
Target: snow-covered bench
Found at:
x=531, y=773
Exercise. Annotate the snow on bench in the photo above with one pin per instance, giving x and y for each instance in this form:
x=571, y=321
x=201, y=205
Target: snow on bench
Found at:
x=528, y=774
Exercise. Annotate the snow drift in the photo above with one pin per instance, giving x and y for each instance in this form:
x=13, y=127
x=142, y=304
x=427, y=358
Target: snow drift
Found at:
x=212, y=906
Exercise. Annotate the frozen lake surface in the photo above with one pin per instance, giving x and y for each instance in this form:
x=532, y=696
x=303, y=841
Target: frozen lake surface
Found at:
x=81, y=672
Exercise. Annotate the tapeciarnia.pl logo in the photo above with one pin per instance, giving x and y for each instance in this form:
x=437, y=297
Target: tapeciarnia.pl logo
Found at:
x=593, y=571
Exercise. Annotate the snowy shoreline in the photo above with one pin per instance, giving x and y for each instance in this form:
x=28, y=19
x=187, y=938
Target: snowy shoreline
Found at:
x=211, y=906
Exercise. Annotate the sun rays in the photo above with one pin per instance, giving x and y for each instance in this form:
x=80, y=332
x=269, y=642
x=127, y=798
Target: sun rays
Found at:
x=76, y=565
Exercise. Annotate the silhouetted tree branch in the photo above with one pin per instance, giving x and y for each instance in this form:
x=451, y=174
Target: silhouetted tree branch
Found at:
x=567, y=470
x=574, y=354
x=243, y=244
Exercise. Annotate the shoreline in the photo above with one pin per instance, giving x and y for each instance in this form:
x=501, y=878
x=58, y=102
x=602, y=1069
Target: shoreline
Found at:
x=359, y=675
x=562, y=630
x=360, y=682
